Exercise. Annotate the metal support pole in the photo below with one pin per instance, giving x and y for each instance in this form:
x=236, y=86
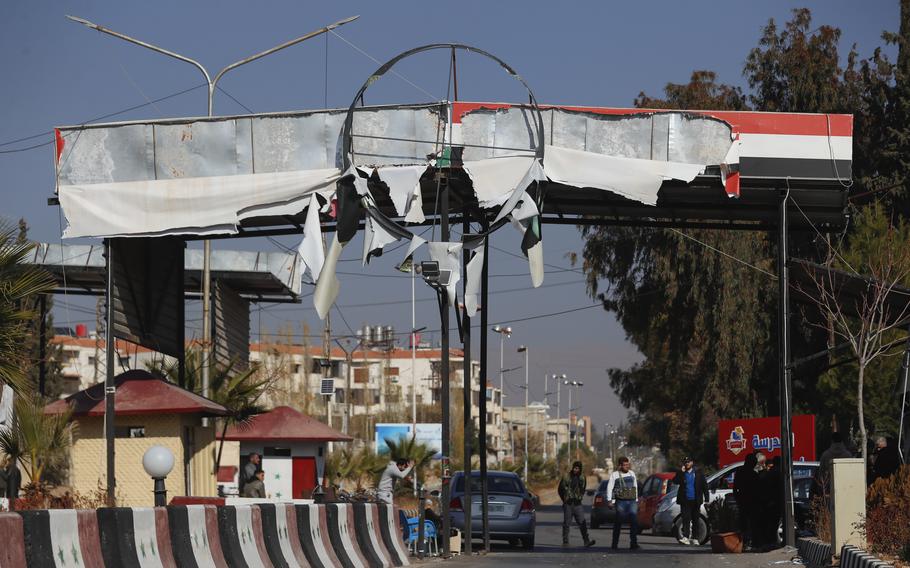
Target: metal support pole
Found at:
x=905, y=371
x=502, y=401
x=527, y=416
x=42, y=344
x=109, y=388
x=784, y=375
x=160, y=492
x=414, y=359
x=558, y=391
x=484, y=323
x=467, y=372
x=446, y=410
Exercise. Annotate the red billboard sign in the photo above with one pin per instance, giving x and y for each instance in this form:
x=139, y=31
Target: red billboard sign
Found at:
x=737, y=438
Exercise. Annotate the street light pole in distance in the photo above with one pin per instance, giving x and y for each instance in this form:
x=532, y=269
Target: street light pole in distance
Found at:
x=503, y=332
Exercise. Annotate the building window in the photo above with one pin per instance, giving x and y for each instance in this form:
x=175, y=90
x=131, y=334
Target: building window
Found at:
x=297, y=369
x=129, y=432
x=276, y=452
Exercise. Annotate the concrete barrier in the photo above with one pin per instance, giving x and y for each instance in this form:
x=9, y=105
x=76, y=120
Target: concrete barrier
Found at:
x=390, y=529
x=194, y=536
x=12, y=552
x=368, y=537
x=279, y=532
x=814, y=553
x=341, y=531
x=852, y=557
x=240, y=529
x=61, y=537
x=136, y=537
x=313, y=529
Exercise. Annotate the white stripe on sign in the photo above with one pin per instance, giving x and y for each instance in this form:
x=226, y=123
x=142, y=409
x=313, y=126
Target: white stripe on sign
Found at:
x=371, y=530
x=393, y=529
x=145, y=537
x=316, y=535
x=199, y=536
x=247, y=536
x=64, y=529
x=284, y=536
x=346, y=536
x=796, y=146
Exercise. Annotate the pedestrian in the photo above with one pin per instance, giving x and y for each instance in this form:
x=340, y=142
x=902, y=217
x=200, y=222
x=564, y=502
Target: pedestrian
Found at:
x=761, y=461
x=746, y=493
x=693, y=491
x=255, y=488
x=623, y=493
x=572, y=491
x=772, y=503
x=837, y=449
x=397, y=469
x=885, y=460
x=249, y=470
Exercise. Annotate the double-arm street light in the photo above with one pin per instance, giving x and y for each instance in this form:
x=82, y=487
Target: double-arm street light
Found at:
x=573, y=385
x=503, y=332
x=524, y=349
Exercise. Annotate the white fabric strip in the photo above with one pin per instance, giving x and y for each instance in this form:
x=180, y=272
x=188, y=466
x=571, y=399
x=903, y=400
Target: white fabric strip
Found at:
x=534, y=173
x=638, y=180
x=64, y=530
x=203, y=205
x=312, y=249
x=495, y=179
x=416, y=243
x=472, y=286
x=403, y=182
x=375, y=237
x=447, y=254
x=327, y=286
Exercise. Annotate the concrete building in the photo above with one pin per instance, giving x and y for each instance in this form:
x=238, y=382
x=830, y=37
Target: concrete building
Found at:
x=547, y=433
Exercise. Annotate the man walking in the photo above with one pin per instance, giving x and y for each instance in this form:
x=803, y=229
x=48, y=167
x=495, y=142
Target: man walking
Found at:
x=398, y=469
x=572, y=491
x=693, y=491
x=623, y=493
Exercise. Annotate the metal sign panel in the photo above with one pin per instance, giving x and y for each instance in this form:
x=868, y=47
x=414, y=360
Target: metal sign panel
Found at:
x=231, y=327
x=148, y=293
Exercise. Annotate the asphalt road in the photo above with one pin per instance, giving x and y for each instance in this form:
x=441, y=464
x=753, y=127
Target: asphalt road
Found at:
x=655, y=551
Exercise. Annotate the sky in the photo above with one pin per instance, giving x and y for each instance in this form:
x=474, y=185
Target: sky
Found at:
x=56, y=72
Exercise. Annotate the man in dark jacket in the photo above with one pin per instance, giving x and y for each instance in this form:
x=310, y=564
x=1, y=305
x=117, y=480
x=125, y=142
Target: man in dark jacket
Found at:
x=693, y=491
x=572, y=491
x=746, y=491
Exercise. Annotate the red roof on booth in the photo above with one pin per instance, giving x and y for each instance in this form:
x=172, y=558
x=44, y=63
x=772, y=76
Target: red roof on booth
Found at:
x=284, y=423
x=138, y=392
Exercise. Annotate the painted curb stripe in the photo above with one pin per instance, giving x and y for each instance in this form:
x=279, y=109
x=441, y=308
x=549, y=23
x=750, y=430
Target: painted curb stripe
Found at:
x=230, y=537
x=293, y=533
x=89, y=539
x=12, y=553
x=37, y=536
x=313, y=536
x=117, y=544
x=163, y=528
x=366, y=537
x=183, y=536
x=378, y=517
x=391, y=533
x=341, y=539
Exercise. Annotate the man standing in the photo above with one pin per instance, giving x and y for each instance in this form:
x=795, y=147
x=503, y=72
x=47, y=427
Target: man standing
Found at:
x=747, y=493
x=255, y=488
x=693, y=491
x=885, y=460
x=398, y=469
x=249, y=470
x=622, y=491
x=837, y=449
x=572, y=491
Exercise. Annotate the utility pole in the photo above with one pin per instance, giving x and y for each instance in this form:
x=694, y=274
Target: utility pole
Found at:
x=503, y=332
x=524, y=349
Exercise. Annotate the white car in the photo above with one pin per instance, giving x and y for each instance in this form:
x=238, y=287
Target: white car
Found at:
x=667, y=519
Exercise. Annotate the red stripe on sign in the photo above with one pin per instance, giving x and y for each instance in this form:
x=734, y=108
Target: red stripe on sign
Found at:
x=89, y=539
x=60, y=142
x=163, y=534
x=741, y=121
x=731, y=185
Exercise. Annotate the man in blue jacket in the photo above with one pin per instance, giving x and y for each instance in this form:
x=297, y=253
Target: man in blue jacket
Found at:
x=693, y=491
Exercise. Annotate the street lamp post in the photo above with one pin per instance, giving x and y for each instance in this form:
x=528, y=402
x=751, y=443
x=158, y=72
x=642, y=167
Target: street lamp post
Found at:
x=348, y=391
x=559, y=379
x=158, y=461
x=524, y=349
x=503, y=332
x=571, y=385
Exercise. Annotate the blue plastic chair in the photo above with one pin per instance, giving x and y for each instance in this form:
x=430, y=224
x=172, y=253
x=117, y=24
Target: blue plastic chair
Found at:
x=411, y=527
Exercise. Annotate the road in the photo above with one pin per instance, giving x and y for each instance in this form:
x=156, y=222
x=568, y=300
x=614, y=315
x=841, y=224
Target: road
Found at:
x=655, y=551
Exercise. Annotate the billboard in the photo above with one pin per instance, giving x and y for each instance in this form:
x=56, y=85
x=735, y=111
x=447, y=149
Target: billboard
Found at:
x=429, y=434
x=737, y=438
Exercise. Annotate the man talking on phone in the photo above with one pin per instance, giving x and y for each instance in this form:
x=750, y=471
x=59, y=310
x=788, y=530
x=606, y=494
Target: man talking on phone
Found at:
x=693, y=491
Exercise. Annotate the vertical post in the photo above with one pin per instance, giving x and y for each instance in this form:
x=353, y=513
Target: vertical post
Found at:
x=558, y=427
x=571, y=428
x=527, y=416
x=42, y=344
x=326, y=369
x=502, y=401
x=109, y=388
x=413, y=358
x=446, y=417
x=784, y=374
x=467, y=372
x=349, y=393
x=484, y=322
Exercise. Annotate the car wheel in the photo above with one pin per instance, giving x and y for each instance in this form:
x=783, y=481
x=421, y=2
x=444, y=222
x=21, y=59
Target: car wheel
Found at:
x=701, y=530
x=528, y=543
x=513, y=542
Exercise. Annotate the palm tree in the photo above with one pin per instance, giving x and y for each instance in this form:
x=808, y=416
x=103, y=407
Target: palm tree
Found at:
x=407, y=447
x=18, y=283
x=238, y=391
x=37, y=440
x=352, y=465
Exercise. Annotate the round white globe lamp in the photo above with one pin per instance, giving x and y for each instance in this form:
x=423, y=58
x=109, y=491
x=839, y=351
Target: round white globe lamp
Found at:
x=158, y=461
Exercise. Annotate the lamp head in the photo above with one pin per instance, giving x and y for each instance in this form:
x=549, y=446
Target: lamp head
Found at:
x=522, y=349
x=158, y=461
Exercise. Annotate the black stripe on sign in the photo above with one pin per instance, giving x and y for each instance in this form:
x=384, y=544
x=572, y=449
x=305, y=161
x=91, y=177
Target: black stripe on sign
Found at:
x=343, y=554
x=270, y=534
x=178, y=521
x=230, y=540
x=39, y=552
x=309, y=534
x=796, y=168
x=118, y=542
x=388, y=533
x=362, y=528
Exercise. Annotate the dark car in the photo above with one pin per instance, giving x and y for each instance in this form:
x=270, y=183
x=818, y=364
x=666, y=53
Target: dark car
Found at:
x=511, y=510
x=601, y=512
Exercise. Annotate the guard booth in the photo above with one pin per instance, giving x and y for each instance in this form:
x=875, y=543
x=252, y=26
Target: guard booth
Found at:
x=293, y=447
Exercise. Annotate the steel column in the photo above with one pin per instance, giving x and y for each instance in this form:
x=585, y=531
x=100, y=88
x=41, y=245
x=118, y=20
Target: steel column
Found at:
x=109, y=388
x=467, y=372
x=784, y=374
x=484, y=361
x=444, y=399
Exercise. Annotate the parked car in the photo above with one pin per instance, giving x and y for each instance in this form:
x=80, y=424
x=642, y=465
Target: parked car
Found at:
x=652, y=491
x=667, y=519
x=511, y=509
x=601, y=514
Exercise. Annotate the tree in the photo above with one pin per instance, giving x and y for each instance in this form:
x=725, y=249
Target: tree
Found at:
x=39, y=441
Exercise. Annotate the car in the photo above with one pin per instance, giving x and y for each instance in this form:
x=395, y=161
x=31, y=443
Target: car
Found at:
x=652, y=491
x=601, y=513
x=667, y=520
x=511, y=510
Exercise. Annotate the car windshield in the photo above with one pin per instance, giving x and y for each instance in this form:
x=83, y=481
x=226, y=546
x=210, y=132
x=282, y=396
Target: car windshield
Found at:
x=495, y=484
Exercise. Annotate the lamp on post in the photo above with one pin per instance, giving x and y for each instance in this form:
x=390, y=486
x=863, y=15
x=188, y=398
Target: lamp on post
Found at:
x=524, y=349
x=503, y=332
x=158, y=461
x=571, y=385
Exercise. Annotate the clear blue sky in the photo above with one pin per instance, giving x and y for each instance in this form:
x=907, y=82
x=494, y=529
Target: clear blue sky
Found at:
x=55, y=72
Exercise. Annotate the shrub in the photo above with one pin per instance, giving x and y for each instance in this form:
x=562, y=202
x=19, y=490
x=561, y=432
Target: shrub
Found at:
x=887, y=523
x=722, y=516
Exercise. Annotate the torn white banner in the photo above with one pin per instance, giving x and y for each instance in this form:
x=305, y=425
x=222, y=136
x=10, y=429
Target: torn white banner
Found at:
x=327, y=286
x=495, y=179
x=374, y=238
x=448, y=255
x=535, y=253
x=312, y=249
x=472, y=285
x=632, y=178
x=526, y=210
x=415, y=209
x=534, y=173
x=360, y=183
x=416, y=243
x=403, y=182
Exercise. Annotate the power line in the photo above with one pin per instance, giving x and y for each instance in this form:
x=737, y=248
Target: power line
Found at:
x=726, y=254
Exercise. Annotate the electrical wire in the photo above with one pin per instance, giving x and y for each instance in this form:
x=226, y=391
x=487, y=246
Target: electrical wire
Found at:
x=726, y=254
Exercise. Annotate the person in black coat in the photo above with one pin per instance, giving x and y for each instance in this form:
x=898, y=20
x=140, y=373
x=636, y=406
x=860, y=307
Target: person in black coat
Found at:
x=746, y=492
x=693, y=491
x=772, y=504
